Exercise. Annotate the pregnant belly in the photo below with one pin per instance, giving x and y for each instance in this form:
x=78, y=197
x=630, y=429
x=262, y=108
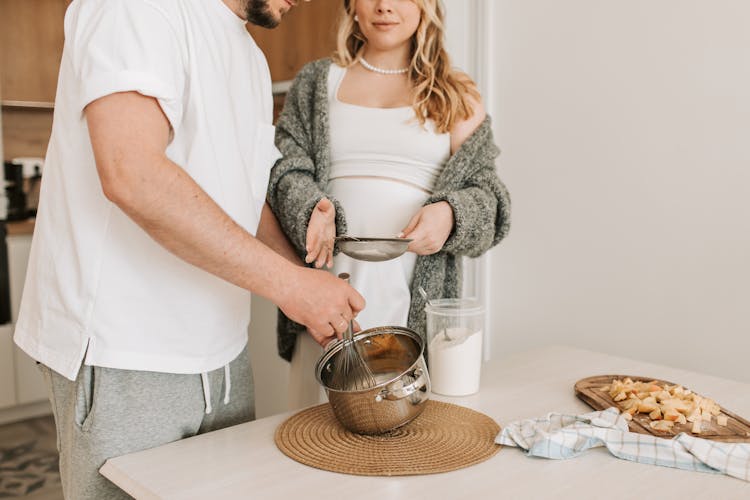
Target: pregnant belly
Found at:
x=376, y=207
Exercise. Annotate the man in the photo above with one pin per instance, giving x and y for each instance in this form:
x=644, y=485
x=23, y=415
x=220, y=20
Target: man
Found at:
x=136, y=302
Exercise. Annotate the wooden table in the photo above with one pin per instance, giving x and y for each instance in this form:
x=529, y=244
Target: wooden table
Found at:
x=243, y=461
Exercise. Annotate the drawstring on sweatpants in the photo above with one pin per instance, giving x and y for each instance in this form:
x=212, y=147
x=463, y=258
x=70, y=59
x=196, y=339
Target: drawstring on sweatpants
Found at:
x=227, y=384
x=207, y=388
x=206, y=392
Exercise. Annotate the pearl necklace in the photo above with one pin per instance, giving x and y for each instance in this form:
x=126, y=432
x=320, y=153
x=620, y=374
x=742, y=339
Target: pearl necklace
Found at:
x=381, y=70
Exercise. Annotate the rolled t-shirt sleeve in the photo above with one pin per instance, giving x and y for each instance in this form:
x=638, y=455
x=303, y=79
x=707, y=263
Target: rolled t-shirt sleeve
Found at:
x=131, y=45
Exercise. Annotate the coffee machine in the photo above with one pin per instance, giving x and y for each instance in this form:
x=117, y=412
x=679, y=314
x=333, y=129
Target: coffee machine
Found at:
x=14, y=192
x=22, y=181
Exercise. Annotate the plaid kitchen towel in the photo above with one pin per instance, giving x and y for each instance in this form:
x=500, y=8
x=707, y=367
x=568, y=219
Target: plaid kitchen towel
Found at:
x=567, y=436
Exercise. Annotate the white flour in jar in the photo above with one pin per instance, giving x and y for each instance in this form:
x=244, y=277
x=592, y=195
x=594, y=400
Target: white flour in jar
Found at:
x=455, y=361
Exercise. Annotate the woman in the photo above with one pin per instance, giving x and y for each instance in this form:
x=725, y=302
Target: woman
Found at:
x=385, y=139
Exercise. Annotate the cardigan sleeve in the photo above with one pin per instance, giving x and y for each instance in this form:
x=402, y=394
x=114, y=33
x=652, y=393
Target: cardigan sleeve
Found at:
x=294, y=185
x=479, y=199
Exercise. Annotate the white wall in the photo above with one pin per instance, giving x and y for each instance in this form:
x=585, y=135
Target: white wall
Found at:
x=625, y=130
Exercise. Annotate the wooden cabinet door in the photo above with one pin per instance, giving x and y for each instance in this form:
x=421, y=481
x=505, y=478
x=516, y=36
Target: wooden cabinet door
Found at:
x=30, y=385
x=305, y=34
x=31, y=41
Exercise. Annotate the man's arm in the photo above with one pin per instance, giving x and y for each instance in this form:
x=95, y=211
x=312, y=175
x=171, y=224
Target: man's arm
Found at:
x=270, y=233
x=129, y=135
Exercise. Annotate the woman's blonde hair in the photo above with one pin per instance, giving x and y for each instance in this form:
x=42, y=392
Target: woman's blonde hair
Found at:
x=441, y=94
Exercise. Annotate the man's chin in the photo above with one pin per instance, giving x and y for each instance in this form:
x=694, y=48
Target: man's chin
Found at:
x=269, y=23
x=263, y=16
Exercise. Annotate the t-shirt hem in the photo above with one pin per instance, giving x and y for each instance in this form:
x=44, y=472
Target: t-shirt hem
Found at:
x=67, y=366
x=144, y=361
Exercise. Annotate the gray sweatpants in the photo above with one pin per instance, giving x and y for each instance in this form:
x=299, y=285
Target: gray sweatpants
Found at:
x=108, y=412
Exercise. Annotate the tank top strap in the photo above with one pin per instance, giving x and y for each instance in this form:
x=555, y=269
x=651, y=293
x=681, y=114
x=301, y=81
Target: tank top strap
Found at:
x=335, y=77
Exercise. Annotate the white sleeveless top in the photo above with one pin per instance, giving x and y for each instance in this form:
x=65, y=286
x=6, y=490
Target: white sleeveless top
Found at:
x=383, y=167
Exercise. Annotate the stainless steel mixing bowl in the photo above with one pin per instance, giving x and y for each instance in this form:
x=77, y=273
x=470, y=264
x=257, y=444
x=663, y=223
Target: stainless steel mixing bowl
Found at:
x=395, y=357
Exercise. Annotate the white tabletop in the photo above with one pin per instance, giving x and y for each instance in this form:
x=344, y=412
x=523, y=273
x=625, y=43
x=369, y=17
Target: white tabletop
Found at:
x=243, y=462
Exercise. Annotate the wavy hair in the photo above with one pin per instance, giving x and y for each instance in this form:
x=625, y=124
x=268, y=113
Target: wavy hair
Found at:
x=441, y=94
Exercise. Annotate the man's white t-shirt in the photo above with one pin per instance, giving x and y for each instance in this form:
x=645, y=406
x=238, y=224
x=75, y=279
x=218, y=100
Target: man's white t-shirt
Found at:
x=98, y=287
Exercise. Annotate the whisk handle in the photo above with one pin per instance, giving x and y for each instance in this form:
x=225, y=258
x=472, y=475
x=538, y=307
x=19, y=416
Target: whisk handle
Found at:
x=348, y=335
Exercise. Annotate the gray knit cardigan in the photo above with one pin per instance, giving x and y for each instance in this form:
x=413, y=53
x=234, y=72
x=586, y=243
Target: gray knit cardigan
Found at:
x=468, y=182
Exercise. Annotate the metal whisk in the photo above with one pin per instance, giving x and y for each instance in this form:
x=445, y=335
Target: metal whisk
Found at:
x=350, y=371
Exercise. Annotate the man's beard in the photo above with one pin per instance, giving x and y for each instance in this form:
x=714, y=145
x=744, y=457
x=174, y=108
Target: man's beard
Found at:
x=259, y=13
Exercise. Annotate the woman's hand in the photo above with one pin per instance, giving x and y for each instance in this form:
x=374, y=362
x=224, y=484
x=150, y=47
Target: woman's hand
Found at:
x=321, y=232
x=429, y=228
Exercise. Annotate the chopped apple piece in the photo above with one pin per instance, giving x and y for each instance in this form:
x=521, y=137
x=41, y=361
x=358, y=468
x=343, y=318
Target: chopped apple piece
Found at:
x=676, y=404
x=671, y=414
x=665, y=404
x=695, y=416
x=662, y=425
x=647, y=408
x=629, y=403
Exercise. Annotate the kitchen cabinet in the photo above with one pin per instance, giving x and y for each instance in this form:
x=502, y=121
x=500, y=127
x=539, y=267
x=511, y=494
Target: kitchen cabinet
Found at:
x=31, y=42
x=22, y=390
x=30, y=386
x=31, y=37
x=26, y=131
x=7, y=367
x=305, y=34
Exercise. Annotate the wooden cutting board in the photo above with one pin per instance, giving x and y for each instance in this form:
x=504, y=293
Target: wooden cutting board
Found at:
x=590, y=391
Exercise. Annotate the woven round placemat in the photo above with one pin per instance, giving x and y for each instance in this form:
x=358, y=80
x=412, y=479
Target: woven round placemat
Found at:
x=443, y=438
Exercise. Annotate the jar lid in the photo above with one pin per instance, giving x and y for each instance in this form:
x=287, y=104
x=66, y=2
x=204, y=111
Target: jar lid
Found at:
x=454, y=307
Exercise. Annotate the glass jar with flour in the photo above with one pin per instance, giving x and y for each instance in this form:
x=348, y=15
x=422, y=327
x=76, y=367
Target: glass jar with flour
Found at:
x=454, y=345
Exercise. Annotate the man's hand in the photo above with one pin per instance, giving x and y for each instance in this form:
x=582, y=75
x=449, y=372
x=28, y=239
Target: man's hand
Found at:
x=321, y=232
x=429, y=228
x=322, y=302
x=325, y=340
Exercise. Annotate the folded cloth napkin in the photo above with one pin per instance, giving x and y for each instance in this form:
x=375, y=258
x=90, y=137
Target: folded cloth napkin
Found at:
x=567, y=436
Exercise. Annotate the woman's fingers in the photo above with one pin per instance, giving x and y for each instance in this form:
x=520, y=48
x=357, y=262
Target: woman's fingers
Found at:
x=321, y=231
x=329, y=259
x=324, y=205
x=322, y=258
x=410, y=226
